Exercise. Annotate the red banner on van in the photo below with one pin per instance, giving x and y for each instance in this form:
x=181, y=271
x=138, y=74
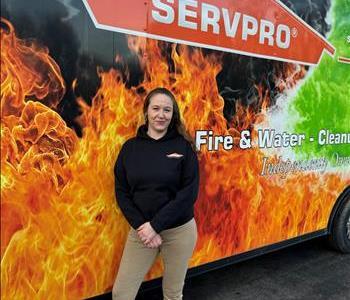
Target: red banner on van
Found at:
x=264, y=28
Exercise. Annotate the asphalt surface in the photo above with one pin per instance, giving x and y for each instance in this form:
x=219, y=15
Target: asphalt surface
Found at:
x=310, y=271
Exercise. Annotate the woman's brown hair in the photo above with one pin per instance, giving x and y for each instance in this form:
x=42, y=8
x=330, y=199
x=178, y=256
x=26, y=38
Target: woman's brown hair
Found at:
x=176, y=121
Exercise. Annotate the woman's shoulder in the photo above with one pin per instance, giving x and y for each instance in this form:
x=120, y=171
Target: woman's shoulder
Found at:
x=130, y=141
x=128, y=144
x=180, y=140
x=186, y=144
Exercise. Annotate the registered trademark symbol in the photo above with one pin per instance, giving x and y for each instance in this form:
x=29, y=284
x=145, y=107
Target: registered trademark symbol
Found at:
x=294, y=32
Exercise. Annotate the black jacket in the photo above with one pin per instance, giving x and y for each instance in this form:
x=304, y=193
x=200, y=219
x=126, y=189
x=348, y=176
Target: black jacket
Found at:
x=157, y=180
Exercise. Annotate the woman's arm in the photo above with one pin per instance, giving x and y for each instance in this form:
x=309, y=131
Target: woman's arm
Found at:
x=185, y=197
x=122, y=192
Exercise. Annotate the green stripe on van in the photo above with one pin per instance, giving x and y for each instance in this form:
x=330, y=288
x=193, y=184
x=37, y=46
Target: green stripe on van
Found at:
x=323, y=101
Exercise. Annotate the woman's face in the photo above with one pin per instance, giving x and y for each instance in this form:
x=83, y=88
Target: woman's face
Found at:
x=159, y=113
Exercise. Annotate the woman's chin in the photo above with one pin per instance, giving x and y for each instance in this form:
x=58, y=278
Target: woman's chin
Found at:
x=160, y=129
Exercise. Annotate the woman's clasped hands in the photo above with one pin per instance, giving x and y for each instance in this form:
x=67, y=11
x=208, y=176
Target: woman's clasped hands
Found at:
x=148, y=236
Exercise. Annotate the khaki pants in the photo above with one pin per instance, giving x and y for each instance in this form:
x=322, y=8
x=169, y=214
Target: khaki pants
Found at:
x=176, y=250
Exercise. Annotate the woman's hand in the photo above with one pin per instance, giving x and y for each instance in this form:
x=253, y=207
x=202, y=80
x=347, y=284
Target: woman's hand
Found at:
x=146, y=233
x=155, y=242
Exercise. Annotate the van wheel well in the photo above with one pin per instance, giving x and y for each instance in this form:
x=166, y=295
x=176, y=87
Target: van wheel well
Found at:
x=339, y=223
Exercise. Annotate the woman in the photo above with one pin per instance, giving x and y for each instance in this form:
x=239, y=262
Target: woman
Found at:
x=156, y=184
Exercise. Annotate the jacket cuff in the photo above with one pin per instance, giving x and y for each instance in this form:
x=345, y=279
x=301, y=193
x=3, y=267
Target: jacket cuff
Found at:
x=157, y=227
x=136, y=225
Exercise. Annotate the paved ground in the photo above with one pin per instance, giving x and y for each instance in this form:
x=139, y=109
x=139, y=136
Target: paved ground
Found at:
x=309, y=271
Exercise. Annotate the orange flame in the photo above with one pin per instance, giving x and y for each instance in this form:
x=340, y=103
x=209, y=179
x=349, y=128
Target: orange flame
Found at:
x=62, y=235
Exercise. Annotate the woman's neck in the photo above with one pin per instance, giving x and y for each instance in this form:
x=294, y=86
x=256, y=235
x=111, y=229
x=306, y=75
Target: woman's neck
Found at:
x=155, y=134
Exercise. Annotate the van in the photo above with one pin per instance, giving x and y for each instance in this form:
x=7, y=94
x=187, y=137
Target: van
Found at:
x=263, y=88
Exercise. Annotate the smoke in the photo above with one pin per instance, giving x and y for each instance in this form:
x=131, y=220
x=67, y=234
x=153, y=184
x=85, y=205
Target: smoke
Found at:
x=241, y=75
x=72, y=11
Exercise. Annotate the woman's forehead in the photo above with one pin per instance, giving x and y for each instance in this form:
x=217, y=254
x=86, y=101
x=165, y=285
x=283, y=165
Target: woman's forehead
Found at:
x=161, y=100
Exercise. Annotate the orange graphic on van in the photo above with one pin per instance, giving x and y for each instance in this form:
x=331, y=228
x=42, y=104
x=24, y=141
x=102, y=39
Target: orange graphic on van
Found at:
x=266, y=28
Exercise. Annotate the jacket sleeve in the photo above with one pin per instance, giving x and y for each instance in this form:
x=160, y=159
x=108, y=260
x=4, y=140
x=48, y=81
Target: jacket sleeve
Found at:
x=122, y=192
x=185, y=197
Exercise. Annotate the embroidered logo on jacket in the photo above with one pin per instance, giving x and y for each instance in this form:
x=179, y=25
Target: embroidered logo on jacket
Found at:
x=174, y=155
